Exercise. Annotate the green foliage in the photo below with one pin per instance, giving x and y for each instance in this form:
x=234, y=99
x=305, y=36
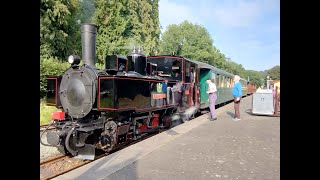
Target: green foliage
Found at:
x=133, y=26
x=87, y=8
x=274, y=73
x=125, y=24
x=156, y=26
x=45, y=112
x=112, y=22
x=147, y=26
x=255, y=77
x=50, y=67
x=100, y=66
x=189, y=40
x=58, y=28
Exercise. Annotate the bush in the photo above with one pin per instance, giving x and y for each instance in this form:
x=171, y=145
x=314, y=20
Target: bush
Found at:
x=50, y=67
x=46, y=112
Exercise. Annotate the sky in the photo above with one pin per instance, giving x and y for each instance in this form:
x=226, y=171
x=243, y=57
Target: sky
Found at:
x=247, y=31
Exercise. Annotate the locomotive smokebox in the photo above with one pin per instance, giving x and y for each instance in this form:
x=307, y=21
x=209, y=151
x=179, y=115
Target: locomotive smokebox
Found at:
x=88, y=42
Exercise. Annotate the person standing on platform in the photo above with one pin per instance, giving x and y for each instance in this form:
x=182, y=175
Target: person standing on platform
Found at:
x=212, y=90
x=237, y=94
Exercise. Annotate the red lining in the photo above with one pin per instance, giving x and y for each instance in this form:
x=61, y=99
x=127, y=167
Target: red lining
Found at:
x=101, y=77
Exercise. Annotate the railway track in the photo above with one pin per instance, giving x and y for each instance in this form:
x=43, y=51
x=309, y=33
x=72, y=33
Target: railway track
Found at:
x=62, y=164
x=43, y=127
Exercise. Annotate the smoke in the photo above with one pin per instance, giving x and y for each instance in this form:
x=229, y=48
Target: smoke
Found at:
x=191, y=111
x=133, y=45
x=88, y=8
x=187, y=114
x=175, y=117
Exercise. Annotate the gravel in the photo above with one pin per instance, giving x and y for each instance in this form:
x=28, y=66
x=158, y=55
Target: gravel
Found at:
x=47, y=151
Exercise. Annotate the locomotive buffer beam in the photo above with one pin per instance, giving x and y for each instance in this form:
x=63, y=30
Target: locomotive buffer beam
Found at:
x=86, y=152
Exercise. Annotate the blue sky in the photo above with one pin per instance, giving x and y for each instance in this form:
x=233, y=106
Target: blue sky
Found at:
x=247, y=31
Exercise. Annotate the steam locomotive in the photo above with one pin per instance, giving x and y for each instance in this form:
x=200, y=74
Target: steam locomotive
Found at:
x=132, y=97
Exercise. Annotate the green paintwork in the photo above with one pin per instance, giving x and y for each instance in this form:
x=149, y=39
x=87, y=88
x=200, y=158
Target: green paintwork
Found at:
x=224, y=94
x=204, y=74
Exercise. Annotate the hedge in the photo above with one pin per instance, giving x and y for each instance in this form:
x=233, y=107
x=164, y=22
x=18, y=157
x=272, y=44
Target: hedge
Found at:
x=50, y=67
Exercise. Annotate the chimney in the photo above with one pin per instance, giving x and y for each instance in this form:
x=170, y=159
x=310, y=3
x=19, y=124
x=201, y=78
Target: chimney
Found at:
x=88, y=43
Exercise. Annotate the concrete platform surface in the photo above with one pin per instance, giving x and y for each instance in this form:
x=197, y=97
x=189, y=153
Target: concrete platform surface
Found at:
x=198, y=149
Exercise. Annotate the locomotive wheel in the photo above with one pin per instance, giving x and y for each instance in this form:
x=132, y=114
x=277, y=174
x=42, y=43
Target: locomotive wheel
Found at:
x=167, y=122
x=108, y=141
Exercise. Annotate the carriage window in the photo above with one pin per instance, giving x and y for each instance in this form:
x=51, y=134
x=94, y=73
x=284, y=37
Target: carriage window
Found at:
x=176, y=70
x=217, y=80
x=168, y=67
x=227, y=82
x=220, y=80
x=213, y=77
x=187, y=69
x=193, y=73
x=223, y=84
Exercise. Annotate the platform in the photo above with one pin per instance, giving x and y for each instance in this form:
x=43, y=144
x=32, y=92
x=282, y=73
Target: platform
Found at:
x=198, y=149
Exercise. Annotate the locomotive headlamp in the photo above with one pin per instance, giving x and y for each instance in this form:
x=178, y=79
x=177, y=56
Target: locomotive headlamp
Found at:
x=74, y=59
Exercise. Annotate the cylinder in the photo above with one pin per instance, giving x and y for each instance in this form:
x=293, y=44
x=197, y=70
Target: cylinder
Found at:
x=88, y=43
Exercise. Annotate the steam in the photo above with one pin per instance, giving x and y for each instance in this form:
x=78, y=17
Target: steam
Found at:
x=191, y=111
x=187, y=114
x=88, y=8
x=175, y=117
x=133, y=45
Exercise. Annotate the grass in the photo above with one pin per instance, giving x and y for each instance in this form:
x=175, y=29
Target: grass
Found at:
x=45, y=112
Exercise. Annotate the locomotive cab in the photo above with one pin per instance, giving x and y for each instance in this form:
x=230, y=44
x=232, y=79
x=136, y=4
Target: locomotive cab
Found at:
x=116, y=63
x=137, y=62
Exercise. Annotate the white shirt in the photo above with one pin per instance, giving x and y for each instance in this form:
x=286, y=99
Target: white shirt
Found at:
x=212, y=88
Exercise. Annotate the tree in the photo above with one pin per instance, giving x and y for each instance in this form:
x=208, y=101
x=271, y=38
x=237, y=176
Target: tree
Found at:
x=255, y=77
x=147, y=25
x=133, y=26
x=57, y=27
x=190, y=40
x=112, y=22
x=274, y=73
x=156, y=25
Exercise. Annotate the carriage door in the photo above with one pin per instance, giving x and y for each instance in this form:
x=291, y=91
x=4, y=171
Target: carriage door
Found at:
x=193, y=87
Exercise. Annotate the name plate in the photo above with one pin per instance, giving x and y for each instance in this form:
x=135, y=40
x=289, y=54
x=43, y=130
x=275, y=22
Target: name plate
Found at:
x=159, y=96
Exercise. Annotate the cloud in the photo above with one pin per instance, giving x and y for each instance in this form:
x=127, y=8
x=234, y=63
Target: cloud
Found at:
x=174, y=13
